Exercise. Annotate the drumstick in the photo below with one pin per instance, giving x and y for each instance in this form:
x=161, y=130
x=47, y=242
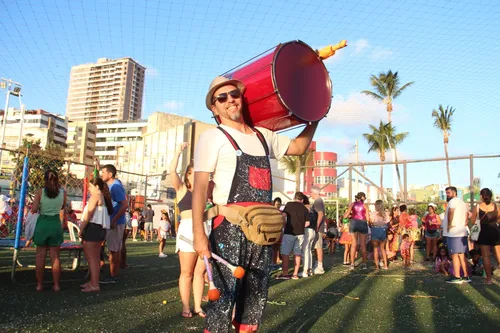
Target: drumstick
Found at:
x=238, y=272
x=213, y=292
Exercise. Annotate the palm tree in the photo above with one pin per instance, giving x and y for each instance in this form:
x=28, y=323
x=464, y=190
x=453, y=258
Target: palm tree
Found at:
x=387, y=89
x=442, y=120
x=294, y=164
x=379, y=139
x=476, y=185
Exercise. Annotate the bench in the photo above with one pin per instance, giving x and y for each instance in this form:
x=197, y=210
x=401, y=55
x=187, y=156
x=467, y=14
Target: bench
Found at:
x=74, y=250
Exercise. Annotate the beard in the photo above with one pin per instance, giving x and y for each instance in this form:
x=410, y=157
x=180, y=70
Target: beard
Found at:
x=235, y=116
x=448, y=198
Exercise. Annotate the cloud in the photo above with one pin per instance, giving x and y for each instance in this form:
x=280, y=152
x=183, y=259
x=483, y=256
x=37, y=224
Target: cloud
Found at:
x=360, y=45
x=380, y=53
x=152, y=72
x=335, y=142
x=357, y=111
x=173, y=105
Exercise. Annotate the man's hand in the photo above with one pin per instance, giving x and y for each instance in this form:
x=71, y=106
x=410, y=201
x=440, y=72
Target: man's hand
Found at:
x=200, y=245
x=113, y=224
x=307, y=224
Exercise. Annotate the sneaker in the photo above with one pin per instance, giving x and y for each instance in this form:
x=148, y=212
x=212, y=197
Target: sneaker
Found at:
x=352, y=267
x=303, y=275
x=162, y=255
x=363, y=266
x=145, y=241
x=466, y=279
x=283, y=277
x=134, y=240
x=319, y=270
x=454, y=280
x=381, y=263
x=347, y=263
x=109, y=279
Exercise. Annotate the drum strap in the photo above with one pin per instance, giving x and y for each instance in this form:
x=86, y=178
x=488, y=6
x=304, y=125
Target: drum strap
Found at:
x=235, y=144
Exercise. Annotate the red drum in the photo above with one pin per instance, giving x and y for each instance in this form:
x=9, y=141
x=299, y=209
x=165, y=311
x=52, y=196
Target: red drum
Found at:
x=286, y=86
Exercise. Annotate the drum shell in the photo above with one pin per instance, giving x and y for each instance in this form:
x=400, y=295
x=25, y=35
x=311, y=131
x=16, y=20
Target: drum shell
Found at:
x=266, y=106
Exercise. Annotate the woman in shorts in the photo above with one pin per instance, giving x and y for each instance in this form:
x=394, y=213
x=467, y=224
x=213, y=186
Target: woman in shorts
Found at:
x=358, y=227
x=432, y=223
x=489, y=236
x=48, y=236
x=379, y=233
x=95, y=222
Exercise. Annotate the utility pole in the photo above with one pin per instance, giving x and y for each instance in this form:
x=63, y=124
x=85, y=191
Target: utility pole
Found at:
x=357, y=166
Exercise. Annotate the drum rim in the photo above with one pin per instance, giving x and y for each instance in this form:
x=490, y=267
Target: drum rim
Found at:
x=273, y=77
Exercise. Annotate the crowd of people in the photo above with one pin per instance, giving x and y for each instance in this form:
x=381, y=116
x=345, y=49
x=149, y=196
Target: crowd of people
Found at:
x=232, y=168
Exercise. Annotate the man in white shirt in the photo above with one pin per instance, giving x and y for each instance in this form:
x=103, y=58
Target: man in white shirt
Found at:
x=454, y=227
x=238, y=157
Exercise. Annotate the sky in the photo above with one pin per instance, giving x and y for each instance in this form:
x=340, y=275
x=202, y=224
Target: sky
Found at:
x=449, y=48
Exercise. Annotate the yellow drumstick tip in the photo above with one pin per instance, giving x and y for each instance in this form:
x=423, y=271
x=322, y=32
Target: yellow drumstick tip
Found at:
x=330, y=50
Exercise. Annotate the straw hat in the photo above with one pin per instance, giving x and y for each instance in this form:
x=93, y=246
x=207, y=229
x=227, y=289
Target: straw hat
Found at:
x=218, y=82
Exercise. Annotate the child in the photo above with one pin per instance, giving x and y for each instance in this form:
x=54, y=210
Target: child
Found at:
x=135, y=223
x=405, y=250
x=345, y=239
x=413, y=231
x=477, y=263
x=163, y=230
x=333, y=236
x=443, y=263
x=391, y=248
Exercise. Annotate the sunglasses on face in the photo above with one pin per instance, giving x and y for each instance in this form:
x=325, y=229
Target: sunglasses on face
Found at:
x=222, y=98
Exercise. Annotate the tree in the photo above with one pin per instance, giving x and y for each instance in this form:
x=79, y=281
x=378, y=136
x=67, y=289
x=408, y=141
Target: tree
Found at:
x=387, y=88
x=378, y=141
x=442, y=120
x=40, y=160
x=294, y=164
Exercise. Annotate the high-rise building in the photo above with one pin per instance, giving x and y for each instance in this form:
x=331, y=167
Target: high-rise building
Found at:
x=105, y=91
x=81, y=142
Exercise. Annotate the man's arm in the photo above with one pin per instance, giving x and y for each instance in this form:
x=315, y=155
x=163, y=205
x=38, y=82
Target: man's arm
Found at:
x=299, y=145
x=199, y=201
x=451, y=213
x=123, y=207
x=318, y=221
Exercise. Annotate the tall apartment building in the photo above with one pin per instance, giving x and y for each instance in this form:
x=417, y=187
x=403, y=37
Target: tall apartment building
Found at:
x=105, y=91
x=80, y=145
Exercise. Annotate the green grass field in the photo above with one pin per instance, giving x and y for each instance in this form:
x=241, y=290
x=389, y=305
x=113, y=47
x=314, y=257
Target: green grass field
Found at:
x=338, y=301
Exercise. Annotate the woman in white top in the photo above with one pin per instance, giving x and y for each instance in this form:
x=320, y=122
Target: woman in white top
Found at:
x=95, y=222
x=378, y=227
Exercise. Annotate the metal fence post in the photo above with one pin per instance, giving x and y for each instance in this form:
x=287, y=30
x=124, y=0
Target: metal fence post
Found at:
x=405, y=188
x=350, y=183
x=471, y=188
x=145, y=191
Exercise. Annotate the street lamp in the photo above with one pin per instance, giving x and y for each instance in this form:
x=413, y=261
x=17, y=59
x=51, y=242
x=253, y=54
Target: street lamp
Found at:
x=13, y=88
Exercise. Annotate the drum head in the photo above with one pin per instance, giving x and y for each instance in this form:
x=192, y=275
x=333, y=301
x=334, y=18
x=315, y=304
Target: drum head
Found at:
x=302, y=81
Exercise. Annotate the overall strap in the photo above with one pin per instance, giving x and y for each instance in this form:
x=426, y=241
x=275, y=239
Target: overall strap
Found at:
x=230, y=138
x=262, y=140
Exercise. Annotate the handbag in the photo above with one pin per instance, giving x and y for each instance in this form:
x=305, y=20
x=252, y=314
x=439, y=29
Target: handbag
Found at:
x=476, y=228
x=30, y=225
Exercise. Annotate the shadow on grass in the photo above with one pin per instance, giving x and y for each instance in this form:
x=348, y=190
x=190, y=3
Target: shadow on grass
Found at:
x=298, y=322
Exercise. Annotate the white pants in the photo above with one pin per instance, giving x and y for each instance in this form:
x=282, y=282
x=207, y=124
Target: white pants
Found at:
x=309, y=235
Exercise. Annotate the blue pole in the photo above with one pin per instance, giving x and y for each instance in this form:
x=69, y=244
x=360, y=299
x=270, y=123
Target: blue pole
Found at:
x=22, y=203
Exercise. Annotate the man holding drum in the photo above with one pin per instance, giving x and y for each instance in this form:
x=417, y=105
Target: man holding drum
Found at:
x=238, y=157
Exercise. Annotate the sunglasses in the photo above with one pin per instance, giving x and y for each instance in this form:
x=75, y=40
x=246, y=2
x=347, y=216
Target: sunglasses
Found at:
x=222, y=98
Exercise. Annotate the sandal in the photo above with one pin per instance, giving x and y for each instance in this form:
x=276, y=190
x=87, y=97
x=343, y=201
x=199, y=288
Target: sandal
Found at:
x=85, y=285
x=90, y=289
x=295, y=277
x=204, y=298
x=187, y=314
x=200, y=313
x=283, y=277
x=488, y=283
